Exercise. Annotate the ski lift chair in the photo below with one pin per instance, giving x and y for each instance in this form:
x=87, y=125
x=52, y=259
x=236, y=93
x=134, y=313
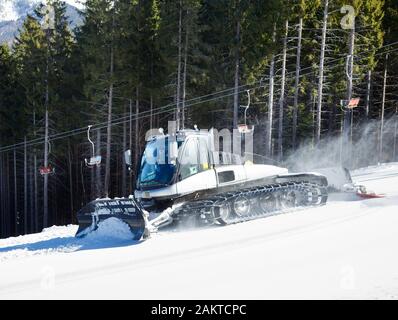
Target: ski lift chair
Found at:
x=94, y=160
x=244, y=128
x=49, y=169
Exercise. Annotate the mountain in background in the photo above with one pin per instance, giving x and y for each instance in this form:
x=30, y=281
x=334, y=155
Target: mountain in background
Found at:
x=14, y=12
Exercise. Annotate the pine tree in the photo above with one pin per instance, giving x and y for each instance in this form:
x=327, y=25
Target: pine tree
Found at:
x=30, y=58
x=98, y=48
x=12, y=117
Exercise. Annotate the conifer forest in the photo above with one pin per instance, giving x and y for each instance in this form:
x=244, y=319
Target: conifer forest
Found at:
x=132, y=65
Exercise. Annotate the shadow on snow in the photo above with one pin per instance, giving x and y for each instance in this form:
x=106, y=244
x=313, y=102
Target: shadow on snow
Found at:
x=71, y=244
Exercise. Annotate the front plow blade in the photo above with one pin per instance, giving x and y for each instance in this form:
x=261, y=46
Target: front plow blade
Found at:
x=96, y=211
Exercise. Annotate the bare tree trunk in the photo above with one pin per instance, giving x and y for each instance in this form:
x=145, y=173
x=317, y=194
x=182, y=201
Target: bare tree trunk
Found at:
x=16, y=195
x=70, y=182
x=108, y=142
x=8, y=216
x=236, y=85
x=124, y=146
x=313, y=104
x=2, y=207
x=296, y=84
x=45, y=191
x=109, y=126
x=93, y=189
x=54, y=212
x=320, y=83
x=394, y=154
x=25, y=188
x=184, y=83
x=35, y=185
x=77, y=183
x=31, y=197
x=382, y=111
x=47, y=101
x=178, y=111
x=3, y=196
x=268, y=146
x=3, y=179
x=98, y=183
x=3, y=191
x=136, y=141
x=368, y=90
x=348, y=113
x=282, y=96
x=36, y=191
x=341, y=142
x=151, y=98
x=151, y=111
x=131, y=144
x=117, y=173
x=82, y=181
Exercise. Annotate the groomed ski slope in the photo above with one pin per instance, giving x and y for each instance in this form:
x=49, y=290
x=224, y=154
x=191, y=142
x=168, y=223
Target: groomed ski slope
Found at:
x=344, y=250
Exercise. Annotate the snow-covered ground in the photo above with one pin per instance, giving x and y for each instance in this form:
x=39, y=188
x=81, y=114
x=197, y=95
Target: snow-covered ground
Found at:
x=344, y=250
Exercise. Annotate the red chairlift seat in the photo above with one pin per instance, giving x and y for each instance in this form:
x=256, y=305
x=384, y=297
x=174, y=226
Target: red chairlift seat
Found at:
x=46, y=170
x=353, y=103
x=243, y=128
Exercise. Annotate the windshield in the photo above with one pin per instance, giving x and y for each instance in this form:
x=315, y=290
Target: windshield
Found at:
x=155, y=169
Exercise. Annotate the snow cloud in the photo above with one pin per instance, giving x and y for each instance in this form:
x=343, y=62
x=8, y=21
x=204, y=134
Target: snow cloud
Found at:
x=365, y=149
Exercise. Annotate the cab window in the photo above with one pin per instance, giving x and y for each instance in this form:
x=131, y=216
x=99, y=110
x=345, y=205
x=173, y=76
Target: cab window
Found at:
x=189, y=162
x=203, y=155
